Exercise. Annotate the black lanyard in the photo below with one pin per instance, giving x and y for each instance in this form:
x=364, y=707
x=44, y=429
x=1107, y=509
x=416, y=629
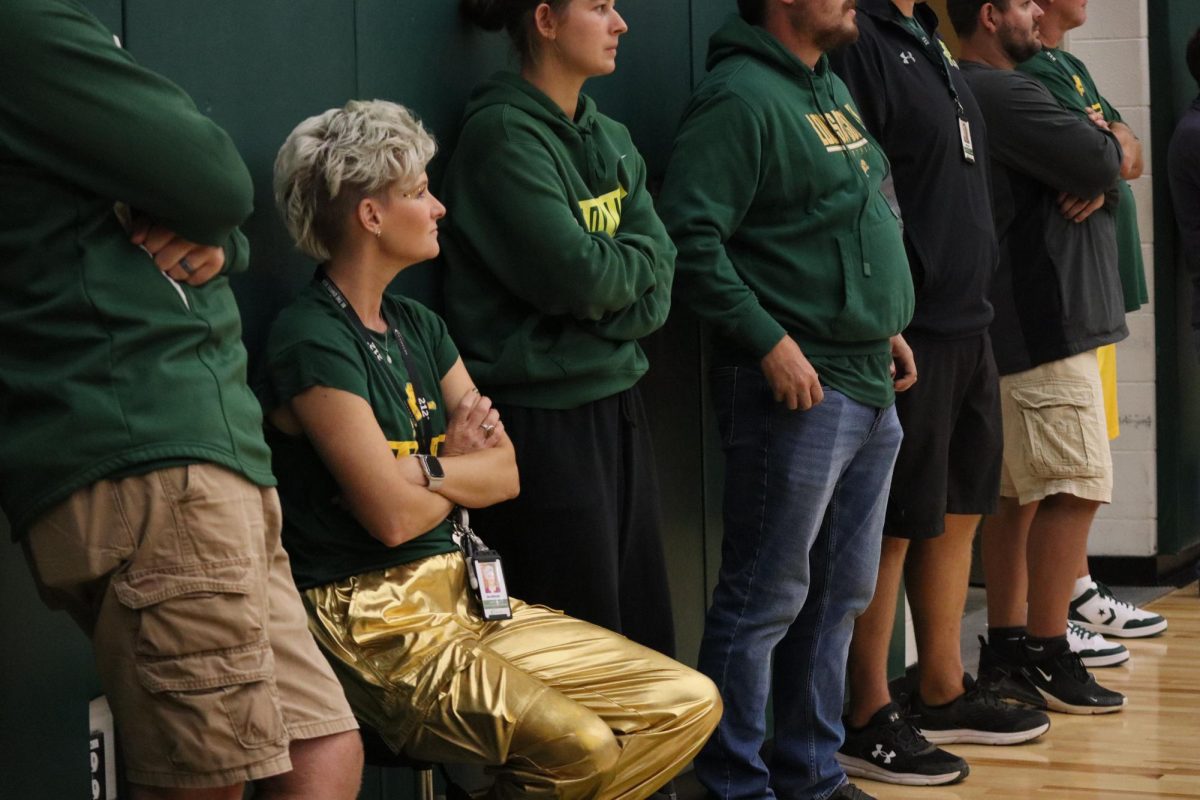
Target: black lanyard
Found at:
x=934, y=51
x=422, y=427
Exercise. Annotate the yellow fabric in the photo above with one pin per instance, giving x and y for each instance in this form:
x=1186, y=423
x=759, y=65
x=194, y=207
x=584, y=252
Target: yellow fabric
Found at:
x=1107, y=356
x=554, y=706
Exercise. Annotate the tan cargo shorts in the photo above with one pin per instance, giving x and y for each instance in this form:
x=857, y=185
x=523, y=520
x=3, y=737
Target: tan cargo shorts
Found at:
x=1055, y=432
x=201, y=638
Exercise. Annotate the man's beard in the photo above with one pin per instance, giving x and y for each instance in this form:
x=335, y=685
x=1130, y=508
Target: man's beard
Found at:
x=1017, y=49
x=834, y=37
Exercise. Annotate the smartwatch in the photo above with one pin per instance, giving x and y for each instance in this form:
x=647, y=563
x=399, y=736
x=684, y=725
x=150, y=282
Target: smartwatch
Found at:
x=434, y=474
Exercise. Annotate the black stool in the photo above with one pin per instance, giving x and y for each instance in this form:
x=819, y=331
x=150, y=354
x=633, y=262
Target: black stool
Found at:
x=376, y=753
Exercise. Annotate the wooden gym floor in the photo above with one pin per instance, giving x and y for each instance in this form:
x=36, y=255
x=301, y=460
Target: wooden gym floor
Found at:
x=1151, y=749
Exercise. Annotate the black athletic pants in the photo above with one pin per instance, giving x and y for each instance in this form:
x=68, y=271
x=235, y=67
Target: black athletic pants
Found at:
x=584, y=534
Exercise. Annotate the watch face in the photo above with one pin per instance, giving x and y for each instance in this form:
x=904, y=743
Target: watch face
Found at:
x=433, y=467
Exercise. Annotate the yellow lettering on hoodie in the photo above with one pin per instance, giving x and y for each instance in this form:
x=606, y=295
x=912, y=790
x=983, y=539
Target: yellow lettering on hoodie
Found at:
x=836, y=132
x=823, y=133
x=603, y=214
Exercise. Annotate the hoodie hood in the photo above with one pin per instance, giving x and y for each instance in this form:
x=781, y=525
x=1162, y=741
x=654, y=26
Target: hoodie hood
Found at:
x=738, y=37
x=579, y=134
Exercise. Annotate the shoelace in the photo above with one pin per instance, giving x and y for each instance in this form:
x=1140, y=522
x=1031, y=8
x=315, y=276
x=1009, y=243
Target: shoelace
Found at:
x=1074, y=665
x=1107, y=594
x=988, y=697
x=908, y=738
x=1082, y=632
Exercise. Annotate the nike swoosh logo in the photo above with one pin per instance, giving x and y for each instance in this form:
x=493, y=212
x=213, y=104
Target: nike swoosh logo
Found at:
x=1037, y=649
x=1046, y=676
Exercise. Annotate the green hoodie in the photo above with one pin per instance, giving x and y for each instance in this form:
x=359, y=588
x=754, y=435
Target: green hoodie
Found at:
x=555, y=260
x=107, y=367
x=773, y=197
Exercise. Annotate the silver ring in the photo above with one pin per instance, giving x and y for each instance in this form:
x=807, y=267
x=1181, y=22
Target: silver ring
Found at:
x=487, y=430
x=186, y=267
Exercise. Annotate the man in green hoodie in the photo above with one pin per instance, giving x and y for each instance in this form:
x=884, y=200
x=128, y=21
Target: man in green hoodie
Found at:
x=132, y=462
x=789, y=249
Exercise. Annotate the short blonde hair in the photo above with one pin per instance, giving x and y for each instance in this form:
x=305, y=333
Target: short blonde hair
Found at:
x=330, y=162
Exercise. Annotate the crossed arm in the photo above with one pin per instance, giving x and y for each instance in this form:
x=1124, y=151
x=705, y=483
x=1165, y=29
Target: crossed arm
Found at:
x=387, y=494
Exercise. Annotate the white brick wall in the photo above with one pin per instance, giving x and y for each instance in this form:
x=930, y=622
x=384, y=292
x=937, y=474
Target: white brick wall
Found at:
x=1114, y=45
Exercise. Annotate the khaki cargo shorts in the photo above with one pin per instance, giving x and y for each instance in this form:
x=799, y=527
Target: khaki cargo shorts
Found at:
x=1055, y=432
x=201, y=638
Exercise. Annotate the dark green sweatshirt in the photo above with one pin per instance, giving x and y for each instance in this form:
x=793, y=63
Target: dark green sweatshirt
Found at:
x=106, y=365
x=555, y=260
x=772, y=195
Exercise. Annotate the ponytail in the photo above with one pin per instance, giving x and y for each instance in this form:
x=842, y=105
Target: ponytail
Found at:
x=514, y=16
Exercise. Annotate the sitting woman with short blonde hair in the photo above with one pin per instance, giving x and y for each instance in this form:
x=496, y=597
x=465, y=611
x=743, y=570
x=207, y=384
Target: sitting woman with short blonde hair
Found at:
x=379, y=434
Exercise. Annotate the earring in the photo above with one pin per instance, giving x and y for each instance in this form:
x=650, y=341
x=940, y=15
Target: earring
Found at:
x=378, y=232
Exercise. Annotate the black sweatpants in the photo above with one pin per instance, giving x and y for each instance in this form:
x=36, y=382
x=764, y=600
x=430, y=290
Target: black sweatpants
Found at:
x=584, y=535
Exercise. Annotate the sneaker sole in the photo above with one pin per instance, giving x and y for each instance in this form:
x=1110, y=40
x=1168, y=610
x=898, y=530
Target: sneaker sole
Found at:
x=1109, y=660
x=1124, y=633
x=972, y=736
x=860, y=768
x=1054, y=704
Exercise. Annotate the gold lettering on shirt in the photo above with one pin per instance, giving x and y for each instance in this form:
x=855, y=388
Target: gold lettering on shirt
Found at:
x=836, y=132
x=949, y=56
x=603, y=214
x=1079, y=85
x=401, y=449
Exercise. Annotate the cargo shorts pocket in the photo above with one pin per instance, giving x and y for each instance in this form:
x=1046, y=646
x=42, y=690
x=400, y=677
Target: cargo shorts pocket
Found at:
x=201, y=650
x=1061, y=430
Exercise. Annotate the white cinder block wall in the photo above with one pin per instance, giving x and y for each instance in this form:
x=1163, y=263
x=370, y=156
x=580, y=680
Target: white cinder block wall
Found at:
x=1114, y=44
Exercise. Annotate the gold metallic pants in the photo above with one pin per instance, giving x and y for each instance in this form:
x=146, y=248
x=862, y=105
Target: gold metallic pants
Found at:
x=556, y=707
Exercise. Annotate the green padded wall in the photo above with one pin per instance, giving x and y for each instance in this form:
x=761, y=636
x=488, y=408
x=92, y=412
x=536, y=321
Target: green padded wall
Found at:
x=258, y=68
x=1178, y=373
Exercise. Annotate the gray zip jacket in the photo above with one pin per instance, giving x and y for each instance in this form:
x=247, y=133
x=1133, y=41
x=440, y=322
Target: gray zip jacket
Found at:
x=1057, y=291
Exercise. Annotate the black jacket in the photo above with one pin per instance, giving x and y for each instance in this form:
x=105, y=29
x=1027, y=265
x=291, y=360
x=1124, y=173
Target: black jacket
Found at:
x=901, y=88
x=1057, y=291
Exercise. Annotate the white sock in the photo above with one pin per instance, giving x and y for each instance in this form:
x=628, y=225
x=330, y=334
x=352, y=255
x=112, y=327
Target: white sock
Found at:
x=1081, y=586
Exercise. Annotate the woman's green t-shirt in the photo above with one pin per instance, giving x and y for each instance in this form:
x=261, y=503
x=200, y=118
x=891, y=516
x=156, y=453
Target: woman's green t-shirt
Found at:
x=313, y=343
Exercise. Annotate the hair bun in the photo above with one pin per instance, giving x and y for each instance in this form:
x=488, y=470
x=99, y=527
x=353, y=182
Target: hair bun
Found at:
x=491, y=15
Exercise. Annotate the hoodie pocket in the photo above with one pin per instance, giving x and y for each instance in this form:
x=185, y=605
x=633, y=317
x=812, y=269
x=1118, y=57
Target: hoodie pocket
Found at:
x=877, y=285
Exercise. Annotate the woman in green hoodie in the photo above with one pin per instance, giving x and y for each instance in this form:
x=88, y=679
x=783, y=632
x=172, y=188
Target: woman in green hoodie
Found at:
x=556, y=264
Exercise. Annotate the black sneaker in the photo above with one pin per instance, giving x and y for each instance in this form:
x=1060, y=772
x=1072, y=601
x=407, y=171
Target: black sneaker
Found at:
x=1065, y=685
x=848, y=791
x=1003, y=678
x=978, y=716
x=889, y=749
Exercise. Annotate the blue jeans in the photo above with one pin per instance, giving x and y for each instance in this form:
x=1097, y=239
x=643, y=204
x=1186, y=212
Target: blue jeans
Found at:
x=805, y=494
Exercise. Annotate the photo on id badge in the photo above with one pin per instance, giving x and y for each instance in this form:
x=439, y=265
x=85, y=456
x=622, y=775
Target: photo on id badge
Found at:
x=493, y=594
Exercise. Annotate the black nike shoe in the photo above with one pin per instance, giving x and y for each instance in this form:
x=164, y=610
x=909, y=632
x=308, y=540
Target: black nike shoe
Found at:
x=889, y=749
x=1065, y=685
x=1003, y=677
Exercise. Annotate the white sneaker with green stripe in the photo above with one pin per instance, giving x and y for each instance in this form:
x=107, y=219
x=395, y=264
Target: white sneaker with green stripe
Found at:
x=1093, y=649
x=1098, y=611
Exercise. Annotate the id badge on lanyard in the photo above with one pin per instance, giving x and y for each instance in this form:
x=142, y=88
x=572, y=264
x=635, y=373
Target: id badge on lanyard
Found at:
x=968, y=147
x=485, y=571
